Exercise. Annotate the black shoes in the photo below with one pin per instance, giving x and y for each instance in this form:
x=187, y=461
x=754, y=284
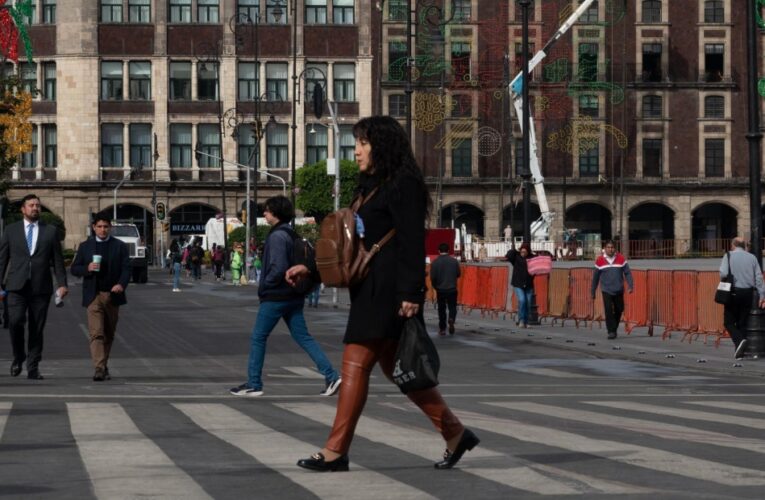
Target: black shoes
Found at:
x=15, y=369
x=106, y=374
x=740, y=349
x=468, y=441
x=35, y=375
x=611, y=335
x=317, y=463
x=451, y=327
x=99, y=376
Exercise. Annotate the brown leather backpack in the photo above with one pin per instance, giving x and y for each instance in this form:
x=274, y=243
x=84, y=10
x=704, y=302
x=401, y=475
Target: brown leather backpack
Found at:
x=341, y=258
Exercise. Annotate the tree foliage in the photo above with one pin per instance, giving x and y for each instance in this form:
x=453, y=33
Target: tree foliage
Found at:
x=15, y=127
x=307, y=231
x=314, y=197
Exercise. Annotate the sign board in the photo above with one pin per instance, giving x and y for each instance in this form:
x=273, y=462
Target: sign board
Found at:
x=159, y=210
x=331, y=166
x=181, y=228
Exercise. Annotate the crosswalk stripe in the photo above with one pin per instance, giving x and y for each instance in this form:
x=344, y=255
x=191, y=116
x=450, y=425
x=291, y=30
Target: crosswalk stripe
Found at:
x=280, y=452
x=658, y=429
x=730, y=405
x=635, y=455
x=121, y=461
x=5, y=409
x=303, y=371
x=428, y=445
x=755, y=423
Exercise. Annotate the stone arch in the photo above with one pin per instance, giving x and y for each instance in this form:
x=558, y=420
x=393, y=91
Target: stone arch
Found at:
x=135, y=213
x=188, y=218
x=589, y=218
x=458, y=213
x=512, y=215
x=713, y=225
x=651, y=230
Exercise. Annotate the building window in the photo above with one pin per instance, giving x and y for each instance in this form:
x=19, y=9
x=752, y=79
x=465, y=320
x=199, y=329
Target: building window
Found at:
x=111, y=11
x=397, y=55
x=462, y=105
x=397, y=10
x=49, y=11
x=32, y=18
x=276, y=12
x=248, y=87
x=590, y=16
x=28, y=75
x=207, y=81
x=652, y=165
x=461, y=11
x=49, y=146
x=589, y=161
x=140, y=145
x=652, y=106
x=714, y=106
x=139, y=11
x=276, y=81
x=397, y=105
x=140, y=80
x=347, y=143
x=180, y=11
x=588, y=62
x=111, y=145
x=29, y=160
x=714, y=157
x=342, y=11
x=651, y=62
x=316, y=11
x=316, y=140
x=462, y=158
x=180, y=81
x=315, y=74
x=180, y=145
x=588, y=105
x=208, y=143
x=714, y=12
x=111, y=81
x=248, y=10
x=345, y=82
x=246, y=147
x=49, y=81
x=714, y=58
x=277, y=138
x=461, y=61
x=651, y=11
x=207, y=11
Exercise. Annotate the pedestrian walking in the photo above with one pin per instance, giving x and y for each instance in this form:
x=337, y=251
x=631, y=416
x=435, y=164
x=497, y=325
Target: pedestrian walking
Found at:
x=392, y=291
x=522, y=282
x=257, y=264
x=103, y=263
x=278, y=300
x=611, y=270
x=197, y=255
x=444, y=272
x=29, y=249
x=237, y=263
x=747, y=281
x=176, y=259
x=218, y=257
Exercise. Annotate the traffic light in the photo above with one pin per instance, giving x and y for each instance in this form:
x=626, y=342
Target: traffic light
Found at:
x=160, y=211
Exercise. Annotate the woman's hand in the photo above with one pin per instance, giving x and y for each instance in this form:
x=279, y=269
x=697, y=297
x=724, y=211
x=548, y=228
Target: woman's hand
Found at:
x=408, y=309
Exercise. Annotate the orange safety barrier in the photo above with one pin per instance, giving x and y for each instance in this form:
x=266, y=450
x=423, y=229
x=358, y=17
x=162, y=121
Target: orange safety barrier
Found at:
x=483, y=295
x=498, y=290
x=684, y=308
x=557, y=294
x=579, y=293
x=541, y=292
x=710, y=313
x=659, y=299
x=636, y=303
x=468, y=297
x=430, y=292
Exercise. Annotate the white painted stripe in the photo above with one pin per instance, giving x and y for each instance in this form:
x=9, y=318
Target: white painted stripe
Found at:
x=477, y=462
x=121, y=461
x=303, y=371
x=5, y=410
x=730, y=405
x=755, y=423
x=638, y=456
x=280, y=452
x=651, y=427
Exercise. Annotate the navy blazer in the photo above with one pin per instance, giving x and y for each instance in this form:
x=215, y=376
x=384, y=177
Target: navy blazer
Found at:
x=34, y=269
x=118, y=272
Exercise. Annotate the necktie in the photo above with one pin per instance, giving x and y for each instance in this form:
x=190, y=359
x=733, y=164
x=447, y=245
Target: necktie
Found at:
x=30, y=235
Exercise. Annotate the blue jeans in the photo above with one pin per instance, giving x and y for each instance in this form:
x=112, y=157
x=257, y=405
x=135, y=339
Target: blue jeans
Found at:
x=525, y=296
x=177, y=275
x=269, y=315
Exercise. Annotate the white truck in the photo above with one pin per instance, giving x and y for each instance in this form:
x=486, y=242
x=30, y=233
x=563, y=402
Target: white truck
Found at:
x=540, y=228
x=129, y=234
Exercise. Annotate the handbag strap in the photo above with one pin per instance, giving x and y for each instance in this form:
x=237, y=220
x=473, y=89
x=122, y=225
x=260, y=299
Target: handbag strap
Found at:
x=731, y=279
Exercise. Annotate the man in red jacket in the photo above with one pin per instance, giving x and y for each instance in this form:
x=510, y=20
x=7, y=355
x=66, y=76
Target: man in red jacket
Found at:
x=611, y=269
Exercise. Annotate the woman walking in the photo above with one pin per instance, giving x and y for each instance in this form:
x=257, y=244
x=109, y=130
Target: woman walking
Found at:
x=522, y=282
x=395, y=198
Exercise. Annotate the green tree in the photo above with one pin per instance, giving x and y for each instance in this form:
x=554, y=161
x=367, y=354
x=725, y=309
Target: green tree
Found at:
x=315, y=196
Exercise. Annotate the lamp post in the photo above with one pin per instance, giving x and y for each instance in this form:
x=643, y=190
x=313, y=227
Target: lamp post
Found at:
x=526, y=173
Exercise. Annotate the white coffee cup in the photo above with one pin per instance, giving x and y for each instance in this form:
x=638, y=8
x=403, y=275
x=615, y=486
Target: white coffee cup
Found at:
x=97, y=262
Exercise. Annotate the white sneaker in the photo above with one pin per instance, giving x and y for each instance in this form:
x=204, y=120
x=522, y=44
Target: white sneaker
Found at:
x=332, y=387
x=176, y=289
x=245, y=390
x=741, y=349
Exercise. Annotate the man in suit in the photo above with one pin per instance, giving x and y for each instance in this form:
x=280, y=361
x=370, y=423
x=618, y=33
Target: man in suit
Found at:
x=103, y=289
x=28, y=250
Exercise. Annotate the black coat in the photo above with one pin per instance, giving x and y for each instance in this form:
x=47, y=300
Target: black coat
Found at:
x=521, y=277
x=35, y=269
x=118, y=270
x=397, y=273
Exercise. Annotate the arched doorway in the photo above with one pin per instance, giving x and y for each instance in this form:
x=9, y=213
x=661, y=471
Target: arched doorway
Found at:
x=456, y=214
x=190, y=218
x=512, y=216
x=652, y=231
x=143, y=218
x=713, y=225
x=589, y=224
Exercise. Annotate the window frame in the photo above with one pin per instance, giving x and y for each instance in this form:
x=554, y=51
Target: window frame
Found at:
x=714, y=11
x=713, y=155
x=589, y=161
x=280, y=151
x=344, y=89
x=210, y=148
x=49, y=84
x=649, y=145
x=113, y=153
x=177, y=82
x=139, y=11
x=50, y=148
x=251, y=87
x=397, y=105
x=650, y=11
x=714, y=107
x=648, y=107
x=343, y=14
x=48, y=12
x=586, y=103
x=141, y=82
x=314, y=153
x=112, y=87
x=29, y=159
x=113, y=9
x=276, y=88
x=179, y=11
x=180, y=150
x=461, y=154
x=208, y=13
x=140, y=153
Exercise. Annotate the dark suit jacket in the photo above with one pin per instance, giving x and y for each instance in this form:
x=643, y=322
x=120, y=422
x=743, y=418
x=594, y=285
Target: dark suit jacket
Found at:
x=118, y=269
x=35, y=269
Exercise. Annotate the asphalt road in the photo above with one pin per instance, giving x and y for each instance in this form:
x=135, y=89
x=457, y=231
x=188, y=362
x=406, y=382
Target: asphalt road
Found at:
x=554, y=421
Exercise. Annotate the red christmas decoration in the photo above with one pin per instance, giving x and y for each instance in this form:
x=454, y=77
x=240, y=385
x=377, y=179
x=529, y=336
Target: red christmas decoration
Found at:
x=9, y=35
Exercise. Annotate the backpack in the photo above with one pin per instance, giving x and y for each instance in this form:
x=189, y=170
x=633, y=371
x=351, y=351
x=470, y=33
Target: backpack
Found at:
x=302, y=253
x=341, y=258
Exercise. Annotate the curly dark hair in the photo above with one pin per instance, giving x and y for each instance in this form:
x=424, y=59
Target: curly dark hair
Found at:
x=281, y=208
x=392, y=155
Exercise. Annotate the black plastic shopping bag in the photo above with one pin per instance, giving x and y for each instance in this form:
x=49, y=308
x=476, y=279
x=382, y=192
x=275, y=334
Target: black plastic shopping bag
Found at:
x=416, y=363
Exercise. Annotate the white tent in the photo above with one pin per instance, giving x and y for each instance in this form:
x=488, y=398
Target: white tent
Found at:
x=214, y=230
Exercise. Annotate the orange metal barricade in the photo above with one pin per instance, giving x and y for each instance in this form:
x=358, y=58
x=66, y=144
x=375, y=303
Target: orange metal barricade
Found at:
x=636, y=303
x=684, y=307
x=483, y=294
x=430, y=292
x=579, y=294
x=469, y=292
x=499, y=280
x=659, y=299
x=558, y=294
x=541, y=282
x=710, y=313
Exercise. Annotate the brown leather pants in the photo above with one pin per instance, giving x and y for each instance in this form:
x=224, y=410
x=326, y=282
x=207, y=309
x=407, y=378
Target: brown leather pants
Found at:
x=358, y=361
